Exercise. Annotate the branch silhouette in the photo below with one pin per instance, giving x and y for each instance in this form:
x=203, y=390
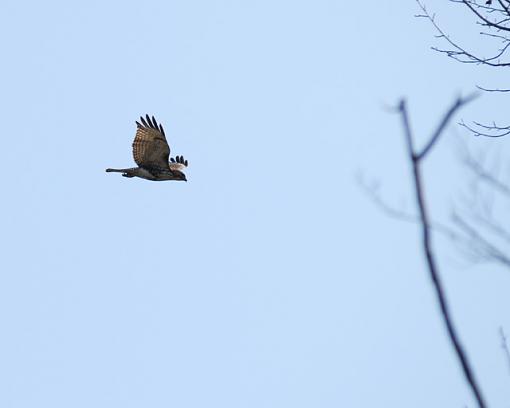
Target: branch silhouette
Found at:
x=416, y=159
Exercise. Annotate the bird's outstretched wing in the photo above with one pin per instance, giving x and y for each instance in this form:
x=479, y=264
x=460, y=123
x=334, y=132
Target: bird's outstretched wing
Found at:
x=150, y=148
x=178, y=163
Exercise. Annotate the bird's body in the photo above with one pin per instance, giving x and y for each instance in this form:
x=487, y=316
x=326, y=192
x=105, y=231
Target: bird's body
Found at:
x=151, y=153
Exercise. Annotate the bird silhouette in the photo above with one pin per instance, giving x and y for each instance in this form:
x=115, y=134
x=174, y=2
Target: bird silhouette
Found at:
x=151, y=153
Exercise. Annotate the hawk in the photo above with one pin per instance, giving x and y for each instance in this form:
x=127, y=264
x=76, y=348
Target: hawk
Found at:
x=151, y=153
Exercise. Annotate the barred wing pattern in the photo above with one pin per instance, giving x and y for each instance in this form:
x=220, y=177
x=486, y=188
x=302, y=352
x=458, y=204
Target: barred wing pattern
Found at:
x=150, y=148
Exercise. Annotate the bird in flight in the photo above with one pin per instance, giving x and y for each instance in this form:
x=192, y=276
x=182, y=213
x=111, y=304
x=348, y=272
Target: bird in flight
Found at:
x=151, y=153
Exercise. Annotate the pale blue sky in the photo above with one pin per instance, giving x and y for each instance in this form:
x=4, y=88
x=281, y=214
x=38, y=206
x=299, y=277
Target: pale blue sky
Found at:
x=269, y=279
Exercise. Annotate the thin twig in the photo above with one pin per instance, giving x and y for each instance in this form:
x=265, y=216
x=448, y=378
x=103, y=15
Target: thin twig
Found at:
x=491, y=251
x=484, y=175
x=446, y=118
x=488, y=22
x=402, y=215
x=458, y=52
x=502, y=90
x=504, y=346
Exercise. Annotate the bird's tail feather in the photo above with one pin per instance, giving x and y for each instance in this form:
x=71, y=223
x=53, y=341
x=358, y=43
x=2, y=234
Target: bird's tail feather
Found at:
x=131, y=172
x=116, y=170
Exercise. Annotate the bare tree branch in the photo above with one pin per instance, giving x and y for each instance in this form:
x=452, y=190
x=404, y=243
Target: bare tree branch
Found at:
x=497, y=25
x=485, y=231
x=504, y=346
x=502, y=90
x=487, y=130
x=371, y=191
x=460, y=53
x=491, y=251
x=402, y=215
x=485, y=175
x=446, y=119
x=416, y=159
x=494, y=17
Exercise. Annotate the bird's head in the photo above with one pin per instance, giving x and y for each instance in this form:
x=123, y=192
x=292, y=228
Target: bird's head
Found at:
x=179, y=175
x=176, y=165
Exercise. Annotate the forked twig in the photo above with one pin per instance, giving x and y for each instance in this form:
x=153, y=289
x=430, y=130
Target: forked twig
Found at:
x=416, y=159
